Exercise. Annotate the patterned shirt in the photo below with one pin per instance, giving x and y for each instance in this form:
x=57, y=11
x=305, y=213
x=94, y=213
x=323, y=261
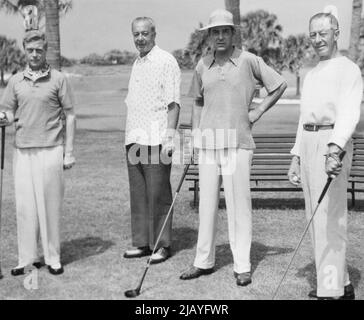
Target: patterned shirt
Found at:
x=37, y=102
x=331, y=94
x=154, y=84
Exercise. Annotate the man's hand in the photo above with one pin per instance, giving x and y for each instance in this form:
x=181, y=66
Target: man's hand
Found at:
x=168, y=146
x=3, y=119
x=333, y=164
x=254, y=115
x=294, y=172
x=68, y=161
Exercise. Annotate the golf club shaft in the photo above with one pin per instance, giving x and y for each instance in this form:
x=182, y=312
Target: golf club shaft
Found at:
x=326, y=187
x=299, y=243
x=164, y=224
x=1, y=180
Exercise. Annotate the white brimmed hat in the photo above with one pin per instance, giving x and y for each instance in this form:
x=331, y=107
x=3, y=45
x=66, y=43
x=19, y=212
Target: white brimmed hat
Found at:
x=220, y=17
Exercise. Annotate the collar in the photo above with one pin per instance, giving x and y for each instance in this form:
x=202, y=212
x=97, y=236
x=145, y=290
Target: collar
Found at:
x=233, y=58
x=35, y=75
x=151, y=55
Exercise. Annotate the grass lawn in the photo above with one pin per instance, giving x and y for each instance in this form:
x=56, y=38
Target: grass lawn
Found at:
x=96, y=219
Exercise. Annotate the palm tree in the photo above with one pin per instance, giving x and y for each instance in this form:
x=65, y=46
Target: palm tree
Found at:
x=234, y=7
x=51, y=10
x=355, y=30
x=11, y=57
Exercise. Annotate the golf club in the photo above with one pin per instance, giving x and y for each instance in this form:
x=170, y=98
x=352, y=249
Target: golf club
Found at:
x=135, y=292
x=1, y=181
x=326, y=187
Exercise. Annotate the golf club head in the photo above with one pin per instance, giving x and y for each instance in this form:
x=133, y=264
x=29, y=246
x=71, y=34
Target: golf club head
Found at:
x=132, y=293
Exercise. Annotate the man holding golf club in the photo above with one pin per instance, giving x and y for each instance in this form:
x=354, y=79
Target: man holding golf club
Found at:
x=223, y=88
x=330, y=111
x=37, y=100
x=152, y=114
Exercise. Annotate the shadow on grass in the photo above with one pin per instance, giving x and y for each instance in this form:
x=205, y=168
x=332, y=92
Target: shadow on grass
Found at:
x=273, y=203
x=277, y=203
x=78, y=249
x=183, y=238
x=359, y=206
x=288, y=203
x=258, y=253
x=309, y=272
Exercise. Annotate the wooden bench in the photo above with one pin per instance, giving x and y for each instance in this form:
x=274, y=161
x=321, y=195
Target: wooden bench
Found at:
x=271, y=162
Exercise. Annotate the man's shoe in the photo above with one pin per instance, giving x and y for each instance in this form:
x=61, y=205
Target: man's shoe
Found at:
x=349, y=294
x=56, y=269
x=243, y=279
x=17, y=271
x=21, y=271
x=161, y=255
x=137, y=252
x=194, y=272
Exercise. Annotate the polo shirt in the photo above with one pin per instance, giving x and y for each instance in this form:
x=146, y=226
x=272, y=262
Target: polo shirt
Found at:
x=154, y=84
x=227, y=92
x=37, y=105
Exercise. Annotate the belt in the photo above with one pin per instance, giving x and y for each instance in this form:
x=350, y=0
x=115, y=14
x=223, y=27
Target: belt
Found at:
x=317, y=127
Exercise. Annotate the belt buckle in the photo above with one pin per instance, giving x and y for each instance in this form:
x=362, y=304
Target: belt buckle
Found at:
x=310, y=127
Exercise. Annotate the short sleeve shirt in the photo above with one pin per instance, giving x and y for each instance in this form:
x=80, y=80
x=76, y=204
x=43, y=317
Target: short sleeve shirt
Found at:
x=227, y=92
x=38, y=108
x=154, y=84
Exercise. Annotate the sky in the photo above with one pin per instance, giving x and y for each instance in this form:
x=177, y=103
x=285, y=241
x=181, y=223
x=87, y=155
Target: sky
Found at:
x=101, y=25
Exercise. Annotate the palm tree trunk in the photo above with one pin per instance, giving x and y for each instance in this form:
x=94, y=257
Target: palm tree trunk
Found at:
x=298, y=84
x=355, y=30
x=234, y=7
x=52, y=33
x=2, y=82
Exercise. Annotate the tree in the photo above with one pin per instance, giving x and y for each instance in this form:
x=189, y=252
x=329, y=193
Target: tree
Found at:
x=198, y=45
x=295, y=50
x=234, y=7
x=50, y=10
x=355, y=30
x=11, y=57
x=262, y=35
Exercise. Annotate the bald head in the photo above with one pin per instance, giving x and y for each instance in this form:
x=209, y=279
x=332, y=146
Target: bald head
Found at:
x=331, y=18
x=147, y=20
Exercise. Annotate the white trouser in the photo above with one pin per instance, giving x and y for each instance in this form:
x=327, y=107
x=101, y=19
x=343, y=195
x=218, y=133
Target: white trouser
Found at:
x=39, y=189
x=329, y=228
x=233, y=165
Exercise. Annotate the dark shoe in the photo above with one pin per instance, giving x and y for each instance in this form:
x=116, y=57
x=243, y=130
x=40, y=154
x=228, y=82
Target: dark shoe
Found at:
x=349, y=294
x=243, y=279
x=194, y=272
x=137, y=252
x=20, y=271
x=17, y=272
x=55, y=271
x=161, y=255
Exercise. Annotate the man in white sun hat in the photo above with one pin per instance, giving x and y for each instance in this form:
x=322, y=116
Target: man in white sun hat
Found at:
x=223, y=87
x=330, y=111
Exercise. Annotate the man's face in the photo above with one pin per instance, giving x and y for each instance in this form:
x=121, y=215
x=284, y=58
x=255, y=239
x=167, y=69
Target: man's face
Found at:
x=222, y=37
x=323, y=38
x=35, y=53
x=144, y=37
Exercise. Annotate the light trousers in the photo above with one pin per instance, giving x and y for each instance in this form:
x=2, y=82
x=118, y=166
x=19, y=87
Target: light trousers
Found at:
x=39, y=190
x=232, y=166
x=329, y=227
